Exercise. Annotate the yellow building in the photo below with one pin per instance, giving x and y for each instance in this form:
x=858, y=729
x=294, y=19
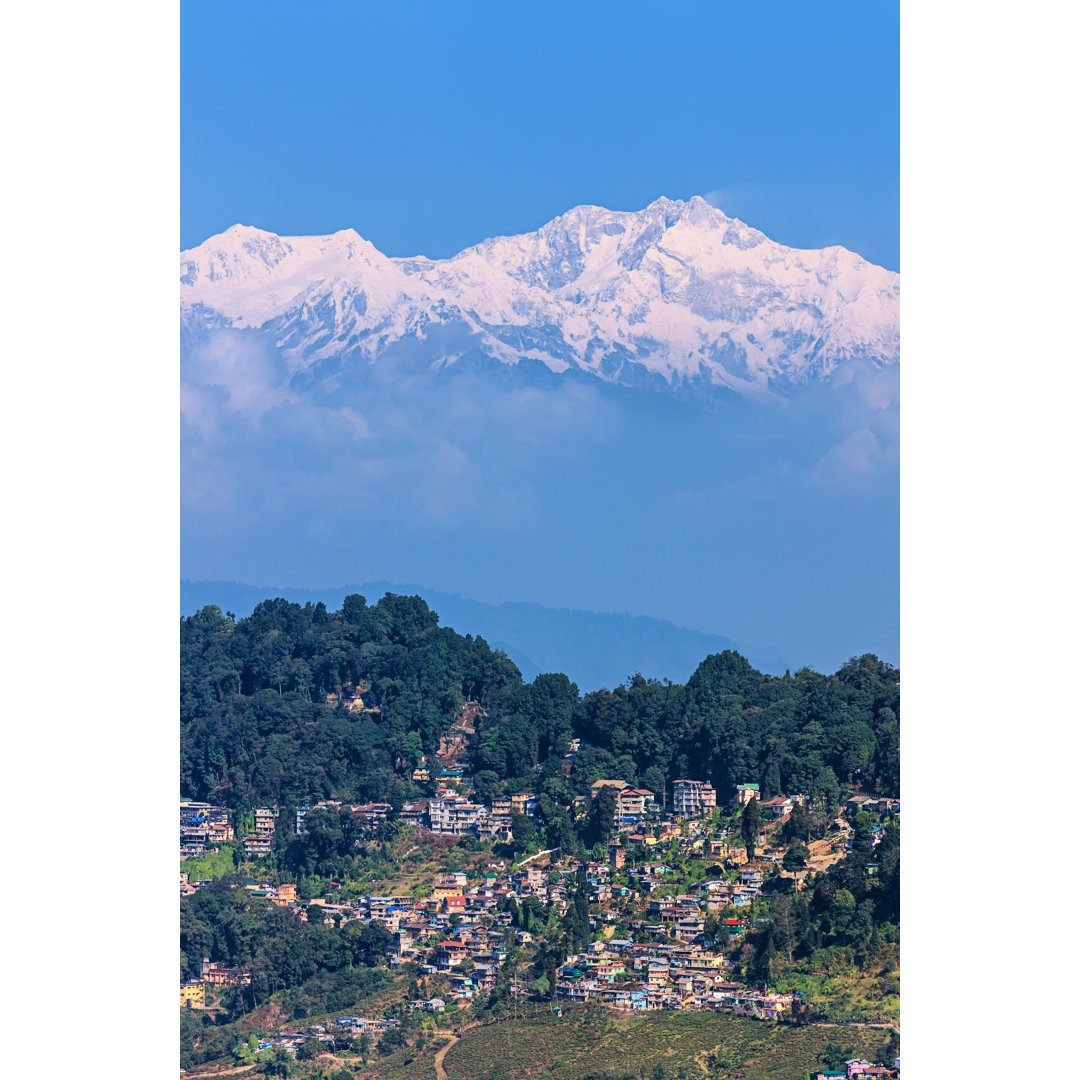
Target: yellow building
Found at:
x=193, y=995
x=706, y=962
x=442, y=890
x=285, y=894
x=720, y=850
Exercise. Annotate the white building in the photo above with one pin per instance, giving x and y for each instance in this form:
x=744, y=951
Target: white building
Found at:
x=691, y=798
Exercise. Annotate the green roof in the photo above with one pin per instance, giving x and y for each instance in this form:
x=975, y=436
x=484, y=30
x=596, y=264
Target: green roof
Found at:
x=754, y=786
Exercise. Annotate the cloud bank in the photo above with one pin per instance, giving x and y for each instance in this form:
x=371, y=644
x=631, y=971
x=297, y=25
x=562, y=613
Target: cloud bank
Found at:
x=773, y=523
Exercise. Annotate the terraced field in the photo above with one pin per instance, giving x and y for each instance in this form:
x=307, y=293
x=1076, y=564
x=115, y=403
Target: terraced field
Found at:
x=587, y=1042
x=522, y=1048
x=404, y=1064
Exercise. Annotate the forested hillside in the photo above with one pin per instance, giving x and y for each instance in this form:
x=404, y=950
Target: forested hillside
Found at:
x=295, y=704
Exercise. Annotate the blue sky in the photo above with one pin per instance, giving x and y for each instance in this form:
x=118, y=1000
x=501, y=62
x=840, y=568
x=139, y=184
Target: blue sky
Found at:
x=428, y=126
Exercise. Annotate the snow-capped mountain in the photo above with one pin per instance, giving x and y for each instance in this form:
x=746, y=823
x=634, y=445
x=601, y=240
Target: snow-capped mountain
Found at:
x=678, y=290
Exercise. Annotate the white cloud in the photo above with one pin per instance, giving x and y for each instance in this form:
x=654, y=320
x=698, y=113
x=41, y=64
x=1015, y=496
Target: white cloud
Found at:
x=246, y=366
x=859, y=457
x=360, y=427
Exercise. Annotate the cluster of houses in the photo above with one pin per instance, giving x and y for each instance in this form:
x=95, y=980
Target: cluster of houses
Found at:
x=857, y=1067
x=460, y=931
x=334, y=1036
x=656, y=975
x=367, y=813
x=203, y=827
x=872, y=805
x=283, y=895
x=449, y=813
x=193, y=992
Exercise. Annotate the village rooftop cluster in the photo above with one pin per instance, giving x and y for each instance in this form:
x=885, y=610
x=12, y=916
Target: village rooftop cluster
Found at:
x=457, y=936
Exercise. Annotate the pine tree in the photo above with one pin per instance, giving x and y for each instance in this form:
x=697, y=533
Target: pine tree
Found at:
x=751, y=824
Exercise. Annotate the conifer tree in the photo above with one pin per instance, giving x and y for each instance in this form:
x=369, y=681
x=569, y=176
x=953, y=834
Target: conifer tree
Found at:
x=751, y=824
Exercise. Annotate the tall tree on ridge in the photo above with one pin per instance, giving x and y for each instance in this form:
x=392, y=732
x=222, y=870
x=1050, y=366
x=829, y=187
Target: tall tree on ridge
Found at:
x=751, y=825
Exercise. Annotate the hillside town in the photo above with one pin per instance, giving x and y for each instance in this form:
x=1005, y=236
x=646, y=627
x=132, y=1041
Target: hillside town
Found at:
x=659, y=938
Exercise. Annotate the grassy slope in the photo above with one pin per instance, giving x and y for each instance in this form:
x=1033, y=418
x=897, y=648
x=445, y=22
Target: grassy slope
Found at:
x=214, y=864
x=421, y=866
x=846, y=992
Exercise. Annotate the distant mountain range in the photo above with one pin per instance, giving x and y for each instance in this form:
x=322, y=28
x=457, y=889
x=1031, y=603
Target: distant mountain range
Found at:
x=678, y=293
x=594, y=649
x=662, y=400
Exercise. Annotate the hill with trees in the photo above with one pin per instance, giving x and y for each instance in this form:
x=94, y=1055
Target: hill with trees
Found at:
x=294, y=704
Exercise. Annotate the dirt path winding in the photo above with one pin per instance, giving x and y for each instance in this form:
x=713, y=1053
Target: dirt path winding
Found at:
x=440, y=1072
x=219, y=1072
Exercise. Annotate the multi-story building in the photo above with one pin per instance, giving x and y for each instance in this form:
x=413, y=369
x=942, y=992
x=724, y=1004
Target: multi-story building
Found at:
x=440, y=890
x=745, y=792
x=689, y=927
x=265, y=820
x=302, y=812
x=633, y=802
x=414, y=813
x=440, y=813
x=221, y=832
x=455, y=815
x=370, y=813
x=257, y=847
x=384, y=908
x=285, y=895
x=216, y=975
x=496, y=827
x=194, y=813
x=721, y=849
x=692, y=797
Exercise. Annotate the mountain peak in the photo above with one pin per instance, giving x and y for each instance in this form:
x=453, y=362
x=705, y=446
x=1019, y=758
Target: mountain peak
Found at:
x=678, y=289
x=245, y=230
x=694, y=210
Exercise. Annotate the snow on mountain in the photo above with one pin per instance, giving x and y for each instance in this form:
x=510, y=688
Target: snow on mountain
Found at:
x=678, y=289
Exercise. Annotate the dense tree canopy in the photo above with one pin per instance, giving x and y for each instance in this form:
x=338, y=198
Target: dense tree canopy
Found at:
x=263, y=718
x=232, y=928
